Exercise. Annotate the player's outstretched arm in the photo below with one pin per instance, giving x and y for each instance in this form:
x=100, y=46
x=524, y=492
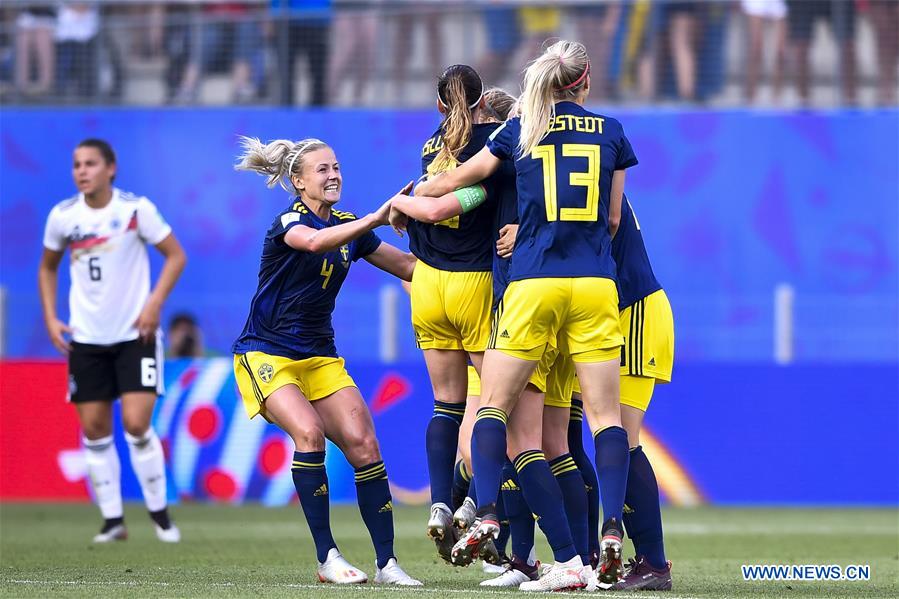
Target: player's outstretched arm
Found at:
x=175, y=260
x=319, y=241
x=393, y=260
x=47, y=280
x=475, y=169
x=431, y=210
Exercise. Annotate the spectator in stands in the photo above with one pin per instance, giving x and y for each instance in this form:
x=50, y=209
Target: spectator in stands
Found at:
x=185, y=339
x=35, y=53
x=682, y=37
x=353, y=61
x=884, y=16
x=596, y=27
x=761, y=13
x=77, y=31
x=230, y=34
x=514, y=37
x=414, y=12
x=802, y=15
x=302, y=27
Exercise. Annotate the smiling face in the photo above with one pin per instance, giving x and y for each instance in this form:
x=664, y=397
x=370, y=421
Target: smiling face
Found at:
x=320, y=180
x=91, y=172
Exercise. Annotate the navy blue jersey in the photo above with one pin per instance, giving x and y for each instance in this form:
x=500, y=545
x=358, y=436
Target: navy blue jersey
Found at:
x=462, y=243
x=506, y=213
x=290, y=314
x=635, y=277
x=563, y=193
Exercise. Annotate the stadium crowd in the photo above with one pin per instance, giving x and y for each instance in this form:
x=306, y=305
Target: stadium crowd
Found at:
x=785, y=53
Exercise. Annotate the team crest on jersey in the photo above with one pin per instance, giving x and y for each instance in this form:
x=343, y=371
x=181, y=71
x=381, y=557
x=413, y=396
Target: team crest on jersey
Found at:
x=345, y=254
x=266, y=372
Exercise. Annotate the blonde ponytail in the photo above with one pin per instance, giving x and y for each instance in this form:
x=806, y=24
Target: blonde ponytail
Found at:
x=278, y=160
x=560, y=73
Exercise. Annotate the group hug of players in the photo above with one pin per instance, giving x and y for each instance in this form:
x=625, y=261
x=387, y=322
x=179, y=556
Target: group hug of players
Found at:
x=534, y=304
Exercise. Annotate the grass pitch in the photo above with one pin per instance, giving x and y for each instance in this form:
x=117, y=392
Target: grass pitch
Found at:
x=45, y=550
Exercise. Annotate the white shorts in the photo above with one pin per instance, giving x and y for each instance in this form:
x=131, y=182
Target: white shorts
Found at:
x=771, y=9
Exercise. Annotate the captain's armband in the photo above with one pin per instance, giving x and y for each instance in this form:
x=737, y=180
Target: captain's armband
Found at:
x=471, y=197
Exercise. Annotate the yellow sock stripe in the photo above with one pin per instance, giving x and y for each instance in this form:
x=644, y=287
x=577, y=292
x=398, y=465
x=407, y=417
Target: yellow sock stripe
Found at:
x=562, y=466
x=523, y=455
x=576, y=414
x=494, y=413
x=528, y=457
x=310, y=465
x=449, y=411
x=371, y=474
x=463, y=471
x=370, y=469
x=599, y=430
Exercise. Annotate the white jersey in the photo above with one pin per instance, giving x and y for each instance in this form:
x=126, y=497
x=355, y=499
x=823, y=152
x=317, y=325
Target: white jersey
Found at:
x=110, y=269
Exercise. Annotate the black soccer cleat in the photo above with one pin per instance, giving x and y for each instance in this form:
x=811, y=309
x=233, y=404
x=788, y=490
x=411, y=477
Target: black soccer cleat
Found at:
x=643, y=577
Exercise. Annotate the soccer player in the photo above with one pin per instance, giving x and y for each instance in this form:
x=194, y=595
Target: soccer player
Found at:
x=647, y=359
x=570, y=166
x=452, y=287
x=115, y=349
x=285, y=360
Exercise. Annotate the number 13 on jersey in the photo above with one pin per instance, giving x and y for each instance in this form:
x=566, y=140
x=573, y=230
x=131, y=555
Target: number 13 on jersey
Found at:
x=589, y=179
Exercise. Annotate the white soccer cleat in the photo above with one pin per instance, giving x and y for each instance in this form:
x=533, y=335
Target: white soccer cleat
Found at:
x=465, y=515
x=564, y=576
x=440, y=522
x=493, y=569
x=339, y=571
x=511, y=578
x=168, y=535
x=115, y=533
x=588, y=575
x=393, y=574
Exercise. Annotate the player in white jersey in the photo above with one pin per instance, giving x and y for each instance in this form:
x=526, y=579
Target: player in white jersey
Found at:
x=115, y=348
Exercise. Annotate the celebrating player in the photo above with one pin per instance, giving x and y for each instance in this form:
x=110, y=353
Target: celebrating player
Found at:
x=570, y=177
x=115, y=348
x=285, y=360
x=452, y=288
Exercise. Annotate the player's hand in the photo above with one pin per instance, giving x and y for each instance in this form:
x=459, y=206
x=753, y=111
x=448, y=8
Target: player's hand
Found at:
x=58, y=331
x=380, y=215
x=506, y=242
x=425, y=184
x=148, y=321
x=398, y=221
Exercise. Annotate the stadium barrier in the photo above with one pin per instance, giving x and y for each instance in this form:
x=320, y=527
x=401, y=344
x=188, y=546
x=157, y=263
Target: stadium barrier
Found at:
x=734, y=434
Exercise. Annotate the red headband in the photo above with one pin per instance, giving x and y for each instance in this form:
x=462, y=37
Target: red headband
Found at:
x=577, y=81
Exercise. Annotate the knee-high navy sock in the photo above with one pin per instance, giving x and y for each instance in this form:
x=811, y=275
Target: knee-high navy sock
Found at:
x=588, y=472
x=441, y=443
x=461, y=484
x=376, y=507
x=574, y=494
x=502, y=540
x=611, y=470
x=311, y=482
x=543, y=496
x=488, y=453
x=644, y=524
x=521, y=521
x=473, y=491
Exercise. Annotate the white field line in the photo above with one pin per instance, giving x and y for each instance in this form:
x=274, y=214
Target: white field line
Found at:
x=698, y=529
x=358, y=588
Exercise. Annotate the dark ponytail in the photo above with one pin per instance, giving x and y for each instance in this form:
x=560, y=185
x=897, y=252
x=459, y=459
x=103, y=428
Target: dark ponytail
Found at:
x=459, y=90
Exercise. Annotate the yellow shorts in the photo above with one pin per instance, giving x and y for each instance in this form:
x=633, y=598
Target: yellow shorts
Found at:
x=451, y=310
x=578, y=316
x=648, y=327
x=636, y=391
x=538, y=378
x=259, y=375
x=560, y=383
